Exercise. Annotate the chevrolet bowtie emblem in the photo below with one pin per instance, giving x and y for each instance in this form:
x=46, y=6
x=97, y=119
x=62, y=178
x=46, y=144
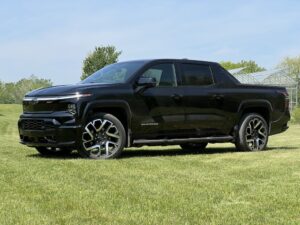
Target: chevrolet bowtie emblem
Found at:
x=34, y=101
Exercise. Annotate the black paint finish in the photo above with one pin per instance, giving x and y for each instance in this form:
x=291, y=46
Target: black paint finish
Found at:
x=161, y=113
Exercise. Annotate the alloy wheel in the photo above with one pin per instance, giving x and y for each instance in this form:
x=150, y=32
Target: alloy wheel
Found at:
x=256, y=134
x=101, y=138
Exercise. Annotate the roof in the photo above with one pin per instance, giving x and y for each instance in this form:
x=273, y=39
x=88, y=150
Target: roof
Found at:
x=170, y=59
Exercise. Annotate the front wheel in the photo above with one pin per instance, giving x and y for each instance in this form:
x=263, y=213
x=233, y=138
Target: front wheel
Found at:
x=253, y=133
x=103, y=137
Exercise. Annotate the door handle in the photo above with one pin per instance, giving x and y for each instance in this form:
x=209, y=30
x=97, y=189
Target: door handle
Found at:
x=218, y=97
x=176, y=97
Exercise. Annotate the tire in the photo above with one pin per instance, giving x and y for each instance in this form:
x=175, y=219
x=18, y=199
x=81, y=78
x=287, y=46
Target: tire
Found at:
x=49, y=151
x=194, y=146
x=253, y=133
x=103, y=137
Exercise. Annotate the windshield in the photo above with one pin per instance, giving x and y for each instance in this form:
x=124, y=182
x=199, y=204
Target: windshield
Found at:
x=114, y=73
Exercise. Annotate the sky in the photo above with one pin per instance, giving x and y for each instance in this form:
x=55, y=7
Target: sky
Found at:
x=50, y=39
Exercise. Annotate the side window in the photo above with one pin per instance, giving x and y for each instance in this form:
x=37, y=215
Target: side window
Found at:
x=196, y=74
x=164, y=74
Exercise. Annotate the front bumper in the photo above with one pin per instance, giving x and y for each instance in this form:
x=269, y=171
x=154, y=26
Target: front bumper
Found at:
x=49, y=130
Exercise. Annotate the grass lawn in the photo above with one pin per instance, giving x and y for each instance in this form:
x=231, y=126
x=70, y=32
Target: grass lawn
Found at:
x=153, y=185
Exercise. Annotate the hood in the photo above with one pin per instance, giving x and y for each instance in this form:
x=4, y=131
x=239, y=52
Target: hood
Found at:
x=65, y=89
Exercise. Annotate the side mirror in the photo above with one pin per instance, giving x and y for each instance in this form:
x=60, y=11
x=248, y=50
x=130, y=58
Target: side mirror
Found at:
x=147, y=82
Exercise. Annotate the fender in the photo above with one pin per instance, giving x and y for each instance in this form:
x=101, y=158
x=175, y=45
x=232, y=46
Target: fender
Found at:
x=255, y=103
x=112, y=104
x=252, y=103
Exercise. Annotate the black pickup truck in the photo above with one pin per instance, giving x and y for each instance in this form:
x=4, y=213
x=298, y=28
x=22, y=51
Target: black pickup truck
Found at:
x=152, y=102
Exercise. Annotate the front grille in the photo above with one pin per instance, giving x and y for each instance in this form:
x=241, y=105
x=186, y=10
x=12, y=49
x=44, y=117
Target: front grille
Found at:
x=36, y=125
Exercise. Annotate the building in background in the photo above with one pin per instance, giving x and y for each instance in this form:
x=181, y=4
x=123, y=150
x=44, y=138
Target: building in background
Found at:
x=275, y=77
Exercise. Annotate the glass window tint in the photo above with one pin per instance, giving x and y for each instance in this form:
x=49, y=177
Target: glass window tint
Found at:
x=164, y=74
x=196, y=74
x=114, y=73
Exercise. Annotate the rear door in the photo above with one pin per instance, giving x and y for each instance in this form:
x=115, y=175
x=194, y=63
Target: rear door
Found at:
x=204, y=113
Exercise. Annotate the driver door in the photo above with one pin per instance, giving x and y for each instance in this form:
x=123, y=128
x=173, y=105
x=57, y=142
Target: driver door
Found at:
x=161, y=106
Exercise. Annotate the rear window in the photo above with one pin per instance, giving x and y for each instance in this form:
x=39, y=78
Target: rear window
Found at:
x=196, y=75
x=223, y=76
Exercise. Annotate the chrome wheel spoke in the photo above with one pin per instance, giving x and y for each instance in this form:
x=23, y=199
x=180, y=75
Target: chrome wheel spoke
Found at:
x=112, y=131
x=249, y=130
x=113, y=135
x=94, y=150
x=257, y=124
x=104, y=123
x=98, y=125
x=107, y=148
x=90, y=129
x=250, y=140
x=257, y=143
x=262, y=133
x=261, y=140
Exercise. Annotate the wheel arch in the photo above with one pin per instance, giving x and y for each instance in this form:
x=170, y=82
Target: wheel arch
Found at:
x=117, y=108
x=261, y=107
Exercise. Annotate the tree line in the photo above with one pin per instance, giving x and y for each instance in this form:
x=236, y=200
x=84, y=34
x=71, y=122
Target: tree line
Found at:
x=14, y=92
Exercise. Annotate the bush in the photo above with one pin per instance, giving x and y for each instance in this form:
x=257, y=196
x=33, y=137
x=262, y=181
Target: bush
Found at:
x=296, y=116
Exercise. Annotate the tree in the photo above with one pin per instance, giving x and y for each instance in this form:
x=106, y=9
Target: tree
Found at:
x=14, y=92
x=9, y=93
x=99, y=58
x=292, y=65
x=28, y=84
x=2, y=89
x=250, y=66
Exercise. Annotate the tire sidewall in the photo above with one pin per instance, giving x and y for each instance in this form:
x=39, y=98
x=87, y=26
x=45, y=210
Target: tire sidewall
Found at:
x=241, y=139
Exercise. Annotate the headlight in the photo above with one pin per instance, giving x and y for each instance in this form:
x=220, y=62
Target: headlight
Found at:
x=72, y=108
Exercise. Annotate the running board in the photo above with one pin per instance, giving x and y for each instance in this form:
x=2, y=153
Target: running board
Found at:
x=182, y=140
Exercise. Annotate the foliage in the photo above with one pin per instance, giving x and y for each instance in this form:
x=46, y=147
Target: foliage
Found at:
x=99, y=58
x=14, y=92
x=2, y=90
x=292, y=64
x=150, y=185
x=296, y=116
x=250, y=66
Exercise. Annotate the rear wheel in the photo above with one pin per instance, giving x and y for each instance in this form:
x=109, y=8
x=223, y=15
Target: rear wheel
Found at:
x=193, y=146
x=51, y=151
x=253, y=133
x=103, y=137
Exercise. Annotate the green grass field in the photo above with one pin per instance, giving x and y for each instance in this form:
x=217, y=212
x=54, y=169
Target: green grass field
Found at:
x=152, y=185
